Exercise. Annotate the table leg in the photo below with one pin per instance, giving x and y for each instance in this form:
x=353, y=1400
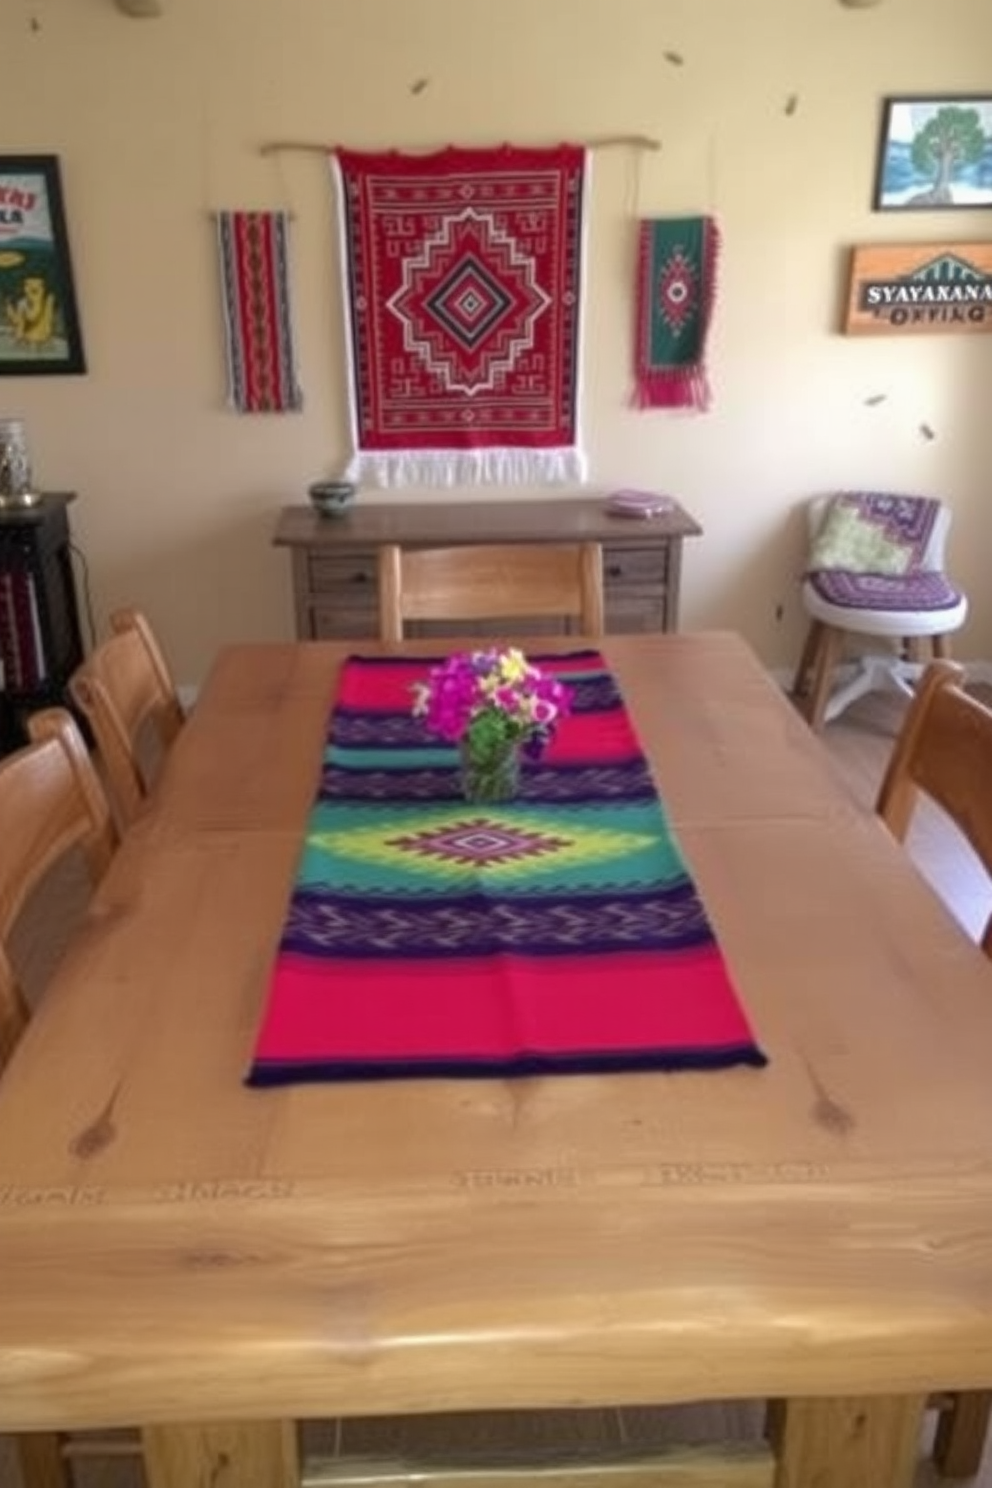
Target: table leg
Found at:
x=238, y=1454
x=847, y=1442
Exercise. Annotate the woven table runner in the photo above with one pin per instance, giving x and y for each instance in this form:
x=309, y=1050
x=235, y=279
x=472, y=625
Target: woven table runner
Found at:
x=558, y=933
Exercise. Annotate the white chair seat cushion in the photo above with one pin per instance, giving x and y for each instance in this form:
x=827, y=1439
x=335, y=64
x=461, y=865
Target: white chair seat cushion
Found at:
x=877, y=613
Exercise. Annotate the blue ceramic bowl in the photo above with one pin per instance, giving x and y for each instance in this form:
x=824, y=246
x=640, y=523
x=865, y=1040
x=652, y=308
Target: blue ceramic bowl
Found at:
x=332, y=498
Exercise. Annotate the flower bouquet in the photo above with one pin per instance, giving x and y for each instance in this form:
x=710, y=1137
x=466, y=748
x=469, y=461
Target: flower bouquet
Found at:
x=494, y=705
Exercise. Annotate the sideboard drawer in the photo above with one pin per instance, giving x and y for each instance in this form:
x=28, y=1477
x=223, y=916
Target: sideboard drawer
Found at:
x=632, y=611
x=329, y=622
x=336, y=572
x=630, y=567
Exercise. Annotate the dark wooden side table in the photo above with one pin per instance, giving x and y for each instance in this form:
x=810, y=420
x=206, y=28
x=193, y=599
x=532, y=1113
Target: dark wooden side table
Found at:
x=335, y=558
x=40, y=638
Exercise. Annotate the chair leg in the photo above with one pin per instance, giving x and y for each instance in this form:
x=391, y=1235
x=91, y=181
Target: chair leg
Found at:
x=827, y=656
x=941, y=647
x=961, y=1430
x=42, y=1461
x=814, y=639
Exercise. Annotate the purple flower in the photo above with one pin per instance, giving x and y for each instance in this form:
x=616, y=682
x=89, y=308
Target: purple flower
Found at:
x=499, y=688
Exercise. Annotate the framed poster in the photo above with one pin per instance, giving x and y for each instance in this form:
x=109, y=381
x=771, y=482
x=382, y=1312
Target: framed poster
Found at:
x=899, y=289
x=39, y=322
x=934, y=154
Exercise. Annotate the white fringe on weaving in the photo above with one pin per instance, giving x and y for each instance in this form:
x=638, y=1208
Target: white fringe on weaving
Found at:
x=509, y=467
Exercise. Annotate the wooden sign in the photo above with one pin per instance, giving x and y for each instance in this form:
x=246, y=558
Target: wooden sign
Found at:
x=905, y=289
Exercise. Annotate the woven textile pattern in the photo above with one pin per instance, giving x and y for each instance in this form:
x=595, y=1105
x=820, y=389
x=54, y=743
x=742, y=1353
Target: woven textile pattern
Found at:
x=463, y=285
x=875, y=532
x=426, y=936
x=676, y=293
x=261, y=360
x=22, y=656
x=911, y=592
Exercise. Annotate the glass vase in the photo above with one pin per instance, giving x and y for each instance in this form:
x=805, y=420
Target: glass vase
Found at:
x=493, y=776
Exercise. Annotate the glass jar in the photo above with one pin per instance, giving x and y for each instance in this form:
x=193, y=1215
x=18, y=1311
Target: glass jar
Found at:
x=494, y=776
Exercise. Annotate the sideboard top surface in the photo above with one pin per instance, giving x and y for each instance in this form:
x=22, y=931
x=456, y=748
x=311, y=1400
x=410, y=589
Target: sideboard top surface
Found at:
x=561, y=519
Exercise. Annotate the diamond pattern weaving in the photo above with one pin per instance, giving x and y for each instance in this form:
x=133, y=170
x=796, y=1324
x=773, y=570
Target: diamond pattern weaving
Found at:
x=557, y=933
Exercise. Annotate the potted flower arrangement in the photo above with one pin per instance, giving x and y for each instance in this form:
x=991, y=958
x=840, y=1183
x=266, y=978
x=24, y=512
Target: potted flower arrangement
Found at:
x=493, y=704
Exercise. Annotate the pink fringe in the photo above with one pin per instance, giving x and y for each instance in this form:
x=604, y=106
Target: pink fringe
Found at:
x=675, y=387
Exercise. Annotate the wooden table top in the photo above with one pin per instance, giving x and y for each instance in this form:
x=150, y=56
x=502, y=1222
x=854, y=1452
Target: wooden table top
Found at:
x=174, y=1246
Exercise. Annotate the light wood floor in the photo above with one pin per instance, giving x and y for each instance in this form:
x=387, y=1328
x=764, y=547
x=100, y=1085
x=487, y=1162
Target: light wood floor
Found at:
x=859, y=744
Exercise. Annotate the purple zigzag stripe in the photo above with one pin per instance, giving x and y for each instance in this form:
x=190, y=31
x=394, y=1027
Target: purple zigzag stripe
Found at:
x=322, y=923
x=630, y=781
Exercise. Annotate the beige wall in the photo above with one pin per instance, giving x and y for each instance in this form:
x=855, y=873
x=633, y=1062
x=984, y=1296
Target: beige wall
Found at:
x=158, y=122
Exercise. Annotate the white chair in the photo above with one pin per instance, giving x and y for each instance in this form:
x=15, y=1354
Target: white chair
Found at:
x=915, y=612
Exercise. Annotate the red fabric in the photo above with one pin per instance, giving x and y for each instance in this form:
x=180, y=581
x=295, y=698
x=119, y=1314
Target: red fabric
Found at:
x=464, y=283
x=261, y=357
x=20, y=647
x=464, y=1009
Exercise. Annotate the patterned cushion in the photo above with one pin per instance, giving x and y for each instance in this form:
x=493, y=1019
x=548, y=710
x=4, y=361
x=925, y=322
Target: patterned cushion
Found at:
x=874, y=532
x=922, y=590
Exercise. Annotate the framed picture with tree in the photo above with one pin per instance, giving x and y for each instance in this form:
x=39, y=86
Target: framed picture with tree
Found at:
x=39, y=322
x=934, y=154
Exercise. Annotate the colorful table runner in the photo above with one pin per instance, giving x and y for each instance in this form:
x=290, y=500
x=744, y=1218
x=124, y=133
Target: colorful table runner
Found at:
x=429, y=937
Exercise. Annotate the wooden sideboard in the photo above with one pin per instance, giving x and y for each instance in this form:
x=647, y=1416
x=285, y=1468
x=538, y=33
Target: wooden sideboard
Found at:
x=335, y=558
x=41, y=641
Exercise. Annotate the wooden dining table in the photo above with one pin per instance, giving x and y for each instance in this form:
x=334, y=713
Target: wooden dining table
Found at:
x=213, y=1262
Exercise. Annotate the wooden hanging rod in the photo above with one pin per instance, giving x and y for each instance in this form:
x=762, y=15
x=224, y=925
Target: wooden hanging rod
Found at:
x=600, y=142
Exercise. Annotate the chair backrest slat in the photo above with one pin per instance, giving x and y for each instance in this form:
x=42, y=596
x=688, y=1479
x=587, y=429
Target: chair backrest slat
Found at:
x=945, y=750
x=124, y=689
x=51, y=802
x=491, y=582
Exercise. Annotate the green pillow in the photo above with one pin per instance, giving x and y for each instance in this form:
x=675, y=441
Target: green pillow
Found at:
x=850, y=541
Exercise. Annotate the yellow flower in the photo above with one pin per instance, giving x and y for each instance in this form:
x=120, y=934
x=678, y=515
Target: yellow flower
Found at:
x=512, y=666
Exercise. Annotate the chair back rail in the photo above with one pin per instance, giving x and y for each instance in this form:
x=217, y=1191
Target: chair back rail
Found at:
x=124, y=689
x=490, y=582
x=51, y=801
x=945, y=750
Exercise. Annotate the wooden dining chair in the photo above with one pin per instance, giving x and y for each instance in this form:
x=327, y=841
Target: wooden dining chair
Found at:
x=944, y=751
x=51, y=803
x=125, y=691
x=491, y=581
